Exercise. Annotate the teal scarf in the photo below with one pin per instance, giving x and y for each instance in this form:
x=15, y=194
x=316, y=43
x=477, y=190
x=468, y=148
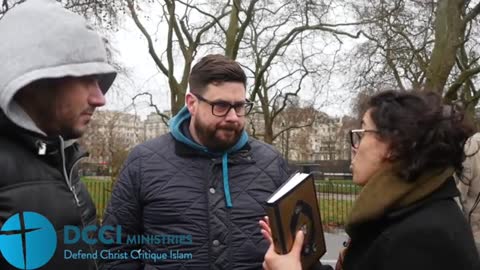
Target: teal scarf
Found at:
x=175, y=129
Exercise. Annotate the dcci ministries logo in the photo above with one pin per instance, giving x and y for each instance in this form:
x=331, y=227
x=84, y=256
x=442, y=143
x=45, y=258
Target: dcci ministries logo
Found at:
x=27, y=240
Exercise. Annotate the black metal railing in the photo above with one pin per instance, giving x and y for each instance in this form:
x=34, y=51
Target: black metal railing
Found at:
x=336, y=198
x=100, y=191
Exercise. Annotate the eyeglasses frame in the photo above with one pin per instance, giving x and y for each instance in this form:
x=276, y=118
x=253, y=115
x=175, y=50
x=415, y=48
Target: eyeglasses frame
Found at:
x=248, y=106
x=360, y=133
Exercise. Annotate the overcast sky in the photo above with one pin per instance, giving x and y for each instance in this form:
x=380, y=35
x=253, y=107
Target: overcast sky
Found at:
x=143, y=76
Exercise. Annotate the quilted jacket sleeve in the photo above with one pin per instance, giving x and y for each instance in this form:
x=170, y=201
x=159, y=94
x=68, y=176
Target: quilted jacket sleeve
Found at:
x=285, y=170
x=124, y=210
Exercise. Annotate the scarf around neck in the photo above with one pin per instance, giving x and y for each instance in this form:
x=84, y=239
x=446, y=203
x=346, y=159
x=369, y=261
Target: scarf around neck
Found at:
x=387, y=191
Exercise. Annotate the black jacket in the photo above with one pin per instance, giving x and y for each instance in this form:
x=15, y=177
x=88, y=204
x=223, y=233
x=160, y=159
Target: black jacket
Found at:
x=430, y=234
x=47, y=184
x=168, y=188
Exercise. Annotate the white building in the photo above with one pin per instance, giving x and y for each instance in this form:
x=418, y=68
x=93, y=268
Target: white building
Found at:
x=110, y=132
x=155, y=126
x=114, y=133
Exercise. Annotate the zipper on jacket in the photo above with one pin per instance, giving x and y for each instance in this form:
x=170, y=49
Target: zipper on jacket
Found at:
x=42, y=148
x=68, y=179
x=68, y=176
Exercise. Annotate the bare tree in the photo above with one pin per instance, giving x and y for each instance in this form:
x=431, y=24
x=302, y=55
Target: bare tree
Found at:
x=420, y=44
x=104, y=13
x=180, y=35
x=108, y=139
x=278, y=43
x=7, y=5
x=294, y=132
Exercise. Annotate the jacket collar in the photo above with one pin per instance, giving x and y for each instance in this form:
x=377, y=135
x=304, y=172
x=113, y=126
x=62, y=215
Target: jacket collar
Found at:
x=386, y=194
x=37, y=143
x=447, y=190
x=180, y=120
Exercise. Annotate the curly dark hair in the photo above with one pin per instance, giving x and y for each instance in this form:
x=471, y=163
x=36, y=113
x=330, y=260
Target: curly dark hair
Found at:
x=424, y=133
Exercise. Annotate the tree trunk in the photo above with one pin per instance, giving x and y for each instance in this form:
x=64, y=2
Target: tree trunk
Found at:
x=232, y=31
x=177, y=99
x=449, y=30
x=268, y=134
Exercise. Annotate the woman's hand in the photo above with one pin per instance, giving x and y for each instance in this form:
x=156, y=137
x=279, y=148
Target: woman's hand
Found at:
x=341, y=255
x=274, y=261
x=265, y=229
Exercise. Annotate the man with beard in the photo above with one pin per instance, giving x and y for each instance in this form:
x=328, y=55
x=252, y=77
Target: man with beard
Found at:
x=195, y=195
x=53, y=75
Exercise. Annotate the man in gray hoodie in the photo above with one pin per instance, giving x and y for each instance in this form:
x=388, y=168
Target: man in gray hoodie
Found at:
x=53, y=75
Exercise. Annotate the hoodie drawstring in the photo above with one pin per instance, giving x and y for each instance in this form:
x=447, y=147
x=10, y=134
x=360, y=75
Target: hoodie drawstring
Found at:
x=226, y=185
x=175, y=129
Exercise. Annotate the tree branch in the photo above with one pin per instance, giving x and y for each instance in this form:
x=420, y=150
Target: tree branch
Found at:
x=215, y=19
x=151, y=48
x=164, y=117
x=462, y=78
x=291, y=127
x=472, y=14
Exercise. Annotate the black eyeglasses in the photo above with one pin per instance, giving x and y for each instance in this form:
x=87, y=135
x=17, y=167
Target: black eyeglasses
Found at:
x=222, y=108
x=357, y=134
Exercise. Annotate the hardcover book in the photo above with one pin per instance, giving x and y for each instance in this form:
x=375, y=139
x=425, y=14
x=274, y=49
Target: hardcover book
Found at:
x=293, y=207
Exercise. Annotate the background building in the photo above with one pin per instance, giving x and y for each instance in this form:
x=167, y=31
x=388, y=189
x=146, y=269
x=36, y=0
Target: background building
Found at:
x=112, y=134
x=109, y=137
x=154, y=126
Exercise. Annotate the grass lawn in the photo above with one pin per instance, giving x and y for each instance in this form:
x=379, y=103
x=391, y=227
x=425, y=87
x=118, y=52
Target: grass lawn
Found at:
x=334, y=212
x=100, y=191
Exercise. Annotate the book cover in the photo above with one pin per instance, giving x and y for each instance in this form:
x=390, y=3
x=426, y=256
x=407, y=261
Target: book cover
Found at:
x=293, y=207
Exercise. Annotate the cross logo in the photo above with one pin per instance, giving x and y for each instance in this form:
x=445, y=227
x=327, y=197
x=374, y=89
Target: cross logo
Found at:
x=27, y=240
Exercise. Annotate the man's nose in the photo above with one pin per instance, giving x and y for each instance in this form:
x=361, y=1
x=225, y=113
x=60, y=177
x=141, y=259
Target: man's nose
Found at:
x=96, y=97
x=231, y=115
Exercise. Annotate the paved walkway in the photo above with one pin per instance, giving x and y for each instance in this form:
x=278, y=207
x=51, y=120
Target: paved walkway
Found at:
x=334, y=244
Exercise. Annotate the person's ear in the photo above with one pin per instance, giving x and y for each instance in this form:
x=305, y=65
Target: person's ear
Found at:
x=390, y=156
x=192, y=103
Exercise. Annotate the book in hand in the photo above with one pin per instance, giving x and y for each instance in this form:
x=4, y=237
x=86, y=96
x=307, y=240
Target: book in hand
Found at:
x=293, y=207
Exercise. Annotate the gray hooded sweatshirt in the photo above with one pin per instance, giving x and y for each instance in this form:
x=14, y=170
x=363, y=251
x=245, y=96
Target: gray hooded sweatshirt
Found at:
x=41, y=39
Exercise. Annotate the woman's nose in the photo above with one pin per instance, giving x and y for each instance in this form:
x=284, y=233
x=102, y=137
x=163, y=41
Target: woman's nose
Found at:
x=353, y=152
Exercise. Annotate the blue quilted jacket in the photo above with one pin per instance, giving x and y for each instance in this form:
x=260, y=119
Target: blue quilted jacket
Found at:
x=168, y=189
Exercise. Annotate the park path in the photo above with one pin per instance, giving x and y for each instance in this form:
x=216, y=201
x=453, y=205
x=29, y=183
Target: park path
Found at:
x=334, y=244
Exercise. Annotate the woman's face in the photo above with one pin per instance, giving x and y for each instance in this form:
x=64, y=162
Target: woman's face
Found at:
x=370, y=153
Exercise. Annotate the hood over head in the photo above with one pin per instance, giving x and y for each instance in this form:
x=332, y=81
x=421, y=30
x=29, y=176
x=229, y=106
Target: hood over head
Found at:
x=42, y=40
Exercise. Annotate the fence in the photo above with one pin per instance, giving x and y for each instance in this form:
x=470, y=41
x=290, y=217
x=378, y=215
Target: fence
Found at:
x=335, y=198
x=100, y=190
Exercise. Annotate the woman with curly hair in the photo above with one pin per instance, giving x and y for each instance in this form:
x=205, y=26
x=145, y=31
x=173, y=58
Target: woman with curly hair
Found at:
x=404, y=155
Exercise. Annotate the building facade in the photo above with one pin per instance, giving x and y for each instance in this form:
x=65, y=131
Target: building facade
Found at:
x=302, y=134
x=109, y=137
